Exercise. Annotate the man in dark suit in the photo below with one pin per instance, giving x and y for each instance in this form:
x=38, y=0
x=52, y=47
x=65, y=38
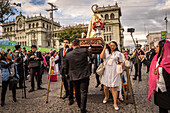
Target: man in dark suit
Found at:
x=67, y=84
x=18, y=56
x=34, y=59
x=76, y=66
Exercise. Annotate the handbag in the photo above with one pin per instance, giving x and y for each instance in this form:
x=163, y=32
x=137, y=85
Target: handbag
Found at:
x=127, y=63
x=101, y=68
x=119, y=69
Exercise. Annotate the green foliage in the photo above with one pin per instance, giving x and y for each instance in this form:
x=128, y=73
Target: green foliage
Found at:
x=6, y=10
x=71, y=33
x=4, y=48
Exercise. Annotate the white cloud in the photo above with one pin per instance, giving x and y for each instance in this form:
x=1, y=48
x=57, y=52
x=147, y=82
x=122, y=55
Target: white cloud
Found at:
x=143, y=15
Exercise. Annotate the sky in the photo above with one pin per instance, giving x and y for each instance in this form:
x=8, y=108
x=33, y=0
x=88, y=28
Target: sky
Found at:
x=146, y=16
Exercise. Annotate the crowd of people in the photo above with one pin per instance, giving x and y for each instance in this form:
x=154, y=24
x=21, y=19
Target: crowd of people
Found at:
x=74, y=64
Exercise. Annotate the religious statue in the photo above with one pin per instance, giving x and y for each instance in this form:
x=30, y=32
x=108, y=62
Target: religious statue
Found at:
x=94, y=39
x=96, y=24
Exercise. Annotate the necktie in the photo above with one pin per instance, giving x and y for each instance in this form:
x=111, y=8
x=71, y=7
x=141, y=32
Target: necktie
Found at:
x=64, y=52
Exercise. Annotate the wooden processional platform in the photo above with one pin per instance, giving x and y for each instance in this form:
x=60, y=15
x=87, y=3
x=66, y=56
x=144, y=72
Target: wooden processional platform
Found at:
x=96, y=44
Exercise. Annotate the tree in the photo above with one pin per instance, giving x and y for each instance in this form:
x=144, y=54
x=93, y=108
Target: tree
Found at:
x=71, y=33
x=6, y=10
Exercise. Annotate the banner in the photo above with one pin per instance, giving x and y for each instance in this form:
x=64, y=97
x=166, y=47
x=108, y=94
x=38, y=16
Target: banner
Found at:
x=163, y=35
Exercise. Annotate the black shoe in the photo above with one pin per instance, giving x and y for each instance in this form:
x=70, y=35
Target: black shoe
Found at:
x=71, y=102
x=134, y=78
x=2, y=103
x=101, y=89
x=20, y=87
x=31, y=90
x=140, y=79
x=65, y=96
x=97, y=85
x=83, y=111
x=40, y=88
x=14, y=100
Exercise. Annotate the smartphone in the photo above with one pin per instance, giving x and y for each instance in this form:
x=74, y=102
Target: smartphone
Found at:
x=107, y=45
x=67, y=46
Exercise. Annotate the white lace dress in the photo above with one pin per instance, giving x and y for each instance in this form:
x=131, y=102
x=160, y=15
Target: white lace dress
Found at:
x=110, y=78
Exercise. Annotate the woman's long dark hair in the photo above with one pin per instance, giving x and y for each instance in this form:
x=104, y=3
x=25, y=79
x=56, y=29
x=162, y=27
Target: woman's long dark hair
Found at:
x=161, y=49
x=116, y=47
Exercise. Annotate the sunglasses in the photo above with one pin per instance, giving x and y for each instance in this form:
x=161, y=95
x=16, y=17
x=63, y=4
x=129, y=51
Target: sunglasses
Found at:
x=66, y=42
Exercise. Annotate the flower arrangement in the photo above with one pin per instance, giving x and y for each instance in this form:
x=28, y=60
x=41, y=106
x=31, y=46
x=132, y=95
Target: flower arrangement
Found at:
x=98, y=23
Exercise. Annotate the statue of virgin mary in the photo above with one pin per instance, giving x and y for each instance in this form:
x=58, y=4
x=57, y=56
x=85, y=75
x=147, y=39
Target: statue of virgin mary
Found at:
x=95, y=17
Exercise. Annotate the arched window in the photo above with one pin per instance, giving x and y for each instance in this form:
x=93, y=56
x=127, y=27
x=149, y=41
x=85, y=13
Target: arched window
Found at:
x=110, y=28
x=110, y=38
x=104, y=38
x=106, y=29
x=43, y=25
x=29, y=26
x=47, y=26
x=4, y=29
x=33, y=25
x=25, y=43
x=106, y=17
x=102, y=16
x=112, y=16
x=10, y=28
x=7, y=29
x=37, y=24
x=107, y=38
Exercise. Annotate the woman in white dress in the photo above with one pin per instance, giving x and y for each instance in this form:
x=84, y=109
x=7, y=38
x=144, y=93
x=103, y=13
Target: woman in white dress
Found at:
x=54, y=57
x=110, y=78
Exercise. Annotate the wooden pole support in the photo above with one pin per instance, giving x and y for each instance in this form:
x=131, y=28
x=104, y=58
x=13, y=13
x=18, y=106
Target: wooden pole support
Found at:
x=49, y=78
x=129, y=84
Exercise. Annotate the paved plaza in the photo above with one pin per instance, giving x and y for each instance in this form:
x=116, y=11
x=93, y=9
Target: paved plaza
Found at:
x=36, y=101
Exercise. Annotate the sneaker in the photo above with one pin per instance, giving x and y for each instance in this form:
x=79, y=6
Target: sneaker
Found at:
x=14, y=100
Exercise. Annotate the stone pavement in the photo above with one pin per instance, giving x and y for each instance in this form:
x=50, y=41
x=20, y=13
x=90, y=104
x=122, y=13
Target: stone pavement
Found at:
x=36, y=101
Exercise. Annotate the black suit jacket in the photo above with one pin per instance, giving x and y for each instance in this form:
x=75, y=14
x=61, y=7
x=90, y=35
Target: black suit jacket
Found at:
x=33, y=62
x=60, y=61
x=76, y=64
x=18, y=56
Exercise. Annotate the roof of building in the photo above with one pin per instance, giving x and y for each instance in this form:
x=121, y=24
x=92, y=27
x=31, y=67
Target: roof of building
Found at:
x=108, y=8
x=30, y=19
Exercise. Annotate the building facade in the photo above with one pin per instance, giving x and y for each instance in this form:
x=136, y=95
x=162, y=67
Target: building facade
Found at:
x=113, y=29
x=30, y=31
x=154, y=38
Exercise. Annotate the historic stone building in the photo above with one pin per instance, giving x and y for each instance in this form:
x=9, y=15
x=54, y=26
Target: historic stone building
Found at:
x=113, y=29
x=154, y=38
x=31, y=30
